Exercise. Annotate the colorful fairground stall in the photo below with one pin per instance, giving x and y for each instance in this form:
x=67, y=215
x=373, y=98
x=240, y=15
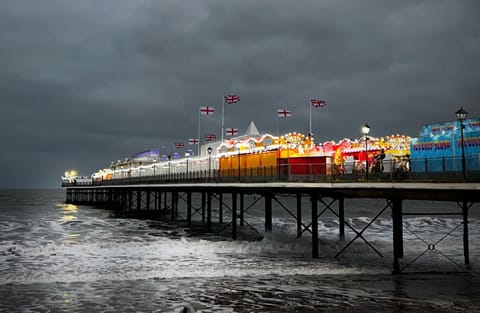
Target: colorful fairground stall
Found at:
x=439, y=147
x=300, y=156
x=297, y=156
x=293, y=154
x=384, y=154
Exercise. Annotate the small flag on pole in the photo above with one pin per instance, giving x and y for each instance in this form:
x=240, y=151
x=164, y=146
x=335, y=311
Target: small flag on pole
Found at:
x=231, y=131
x=179, y=145
x=231, y=98
x=210, y=137
x=316, y=103
x=193, y=141
x=284, y=113
x=206, y=110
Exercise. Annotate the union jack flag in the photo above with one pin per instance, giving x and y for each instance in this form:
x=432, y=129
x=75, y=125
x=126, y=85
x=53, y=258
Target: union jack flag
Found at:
x=231, y=98
x=206, y=110
x=210, y=137
x=284, y=113
x=231, y=131
x=316, y=103
x=193, y=141
x=179, y=145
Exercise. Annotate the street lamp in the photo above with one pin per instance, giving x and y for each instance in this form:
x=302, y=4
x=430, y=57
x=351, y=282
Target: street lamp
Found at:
x=169, y=159
x=288, y=160
x=187, y=155
x=365, y=131
x=461, y=116
x=209, y=150
x=238, y=157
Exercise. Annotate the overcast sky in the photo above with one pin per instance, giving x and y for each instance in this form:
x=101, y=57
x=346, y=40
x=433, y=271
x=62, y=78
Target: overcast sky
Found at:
x=83, y=83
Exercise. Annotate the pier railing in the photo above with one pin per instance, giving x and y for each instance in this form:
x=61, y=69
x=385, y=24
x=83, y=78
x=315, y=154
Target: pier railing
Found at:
x=443, y=169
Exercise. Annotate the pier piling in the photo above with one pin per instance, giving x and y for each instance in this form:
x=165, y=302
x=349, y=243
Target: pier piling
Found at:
x=397, y=234
x=137, y=198
x=268, y=212
x=314, y=200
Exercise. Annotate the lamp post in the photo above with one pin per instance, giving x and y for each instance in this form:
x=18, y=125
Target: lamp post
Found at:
x=187, y=155
x=169, y=159
x=238, y=157
x=209, y=150
x=288, y=160
x=461, y=116
x=365, y=131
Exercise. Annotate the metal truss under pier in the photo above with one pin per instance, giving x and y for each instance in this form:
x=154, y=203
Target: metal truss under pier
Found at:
x=233, y=202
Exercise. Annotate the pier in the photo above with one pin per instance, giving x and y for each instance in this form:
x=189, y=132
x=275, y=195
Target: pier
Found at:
x=234, y=199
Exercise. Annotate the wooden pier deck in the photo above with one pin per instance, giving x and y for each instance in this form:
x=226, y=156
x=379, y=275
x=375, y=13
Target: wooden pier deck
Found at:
x=323, y=197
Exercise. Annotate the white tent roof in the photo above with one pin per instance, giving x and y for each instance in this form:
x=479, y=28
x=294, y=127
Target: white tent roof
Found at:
x=252, y=130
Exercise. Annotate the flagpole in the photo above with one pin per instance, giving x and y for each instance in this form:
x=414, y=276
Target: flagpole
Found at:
x=277, y=123
x=223, y=109
x=310, y=131
x=198, y=135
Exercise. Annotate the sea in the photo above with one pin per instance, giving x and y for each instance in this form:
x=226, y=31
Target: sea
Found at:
x=58, y=257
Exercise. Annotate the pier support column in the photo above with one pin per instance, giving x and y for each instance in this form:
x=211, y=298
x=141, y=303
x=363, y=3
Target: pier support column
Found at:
x=234, y=216
x=172, y=206
x=268, y=212
x=189, y=209
x=124, y=200
x=67, y=194
x=397, y=221
x=299, y=215
x=165, y=206
x=466, y=248
x=314, y=199
x=139, y=199
x=148, y=199
x=242, y=198
x=204, y=203
x=341, y=218
x=130, y=199
x=209, y=211
x=220, y=208
x=176, y=204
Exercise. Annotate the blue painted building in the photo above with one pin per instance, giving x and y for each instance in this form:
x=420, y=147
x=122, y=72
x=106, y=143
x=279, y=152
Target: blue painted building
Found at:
x=439, y=147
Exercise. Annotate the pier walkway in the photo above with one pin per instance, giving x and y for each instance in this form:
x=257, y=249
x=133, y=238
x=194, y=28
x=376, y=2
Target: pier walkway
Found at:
x=165, y=198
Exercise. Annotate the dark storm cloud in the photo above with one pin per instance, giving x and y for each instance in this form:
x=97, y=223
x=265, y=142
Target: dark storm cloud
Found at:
x=87, y=82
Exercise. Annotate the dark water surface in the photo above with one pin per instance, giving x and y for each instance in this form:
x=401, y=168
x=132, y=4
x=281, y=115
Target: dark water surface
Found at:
x=64, y=258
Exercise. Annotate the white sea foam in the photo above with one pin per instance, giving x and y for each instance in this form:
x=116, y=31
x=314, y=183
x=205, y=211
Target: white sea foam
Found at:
x=167, y=258
x=82, y=257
